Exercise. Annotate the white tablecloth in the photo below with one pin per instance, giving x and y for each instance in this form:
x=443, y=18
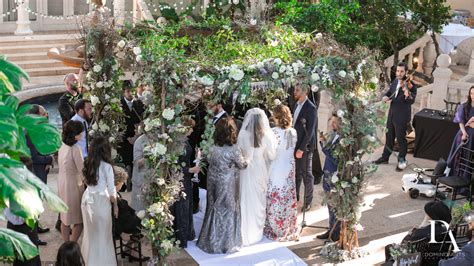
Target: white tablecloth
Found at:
x=452, y=35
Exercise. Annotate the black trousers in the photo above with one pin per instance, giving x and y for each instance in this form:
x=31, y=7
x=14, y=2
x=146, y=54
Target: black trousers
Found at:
x=33, y=236
x=304, y=174
x=399, y=131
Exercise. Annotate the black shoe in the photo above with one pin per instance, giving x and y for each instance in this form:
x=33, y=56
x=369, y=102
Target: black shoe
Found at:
x=333, y=239
x=381, y=160
x=42, y=230
x=323, y=236
x=123, y=188
x=41, y=243
x=58, y=225
x=317, y=179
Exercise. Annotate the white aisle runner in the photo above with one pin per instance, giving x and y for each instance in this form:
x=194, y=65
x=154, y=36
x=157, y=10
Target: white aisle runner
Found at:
x=266, y=252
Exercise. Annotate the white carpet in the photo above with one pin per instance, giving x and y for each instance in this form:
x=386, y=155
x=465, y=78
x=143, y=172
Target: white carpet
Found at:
x=266, y=252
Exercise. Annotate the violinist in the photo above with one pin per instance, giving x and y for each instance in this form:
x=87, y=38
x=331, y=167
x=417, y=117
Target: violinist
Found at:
x=400, y=96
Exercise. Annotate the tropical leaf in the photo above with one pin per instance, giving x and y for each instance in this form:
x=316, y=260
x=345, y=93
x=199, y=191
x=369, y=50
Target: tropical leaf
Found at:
x=37, y=128
x=16, y=245
x=10, y=76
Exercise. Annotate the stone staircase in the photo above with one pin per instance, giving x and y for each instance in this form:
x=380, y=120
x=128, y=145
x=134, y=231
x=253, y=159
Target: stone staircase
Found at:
x=30, y=53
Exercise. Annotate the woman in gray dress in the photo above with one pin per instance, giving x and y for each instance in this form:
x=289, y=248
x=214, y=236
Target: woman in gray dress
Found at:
x=220, y=232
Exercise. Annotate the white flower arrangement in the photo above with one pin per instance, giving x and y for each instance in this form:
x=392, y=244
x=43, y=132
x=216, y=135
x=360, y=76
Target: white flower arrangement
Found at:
x=342, y=74
x=160, y=181
x=97, y=68
x=168, y=114
x=236, y=73
x=275, y=75
x=158, y=149
x=99, y=84
x=334, y=178
x=315, y=77
x=282, y=69
x=141, y=214
x=121, y=44
x=137, y=50
x=276, y=102
x=206, y=80
x=319, y=35
x=274, y=43
x=95, y=100
x=345, y=184
x=314, y=88
x=114, y=153
x=340, y=113
x=155, y=209
x=277, y=61
x=166, y=244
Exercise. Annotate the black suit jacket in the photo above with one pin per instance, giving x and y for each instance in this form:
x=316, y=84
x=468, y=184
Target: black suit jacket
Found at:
x=305, y=127
x=132, y=117
x=400, y=107
x=66, y=106
x=39, y=160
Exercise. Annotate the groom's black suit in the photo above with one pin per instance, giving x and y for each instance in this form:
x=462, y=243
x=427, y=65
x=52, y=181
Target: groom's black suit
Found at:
x=304, y=125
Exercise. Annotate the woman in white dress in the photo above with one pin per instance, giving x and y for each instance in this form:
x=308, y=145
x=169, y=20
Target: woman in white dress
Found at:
x=281, y=194
x=97, y=243
x=258, y=144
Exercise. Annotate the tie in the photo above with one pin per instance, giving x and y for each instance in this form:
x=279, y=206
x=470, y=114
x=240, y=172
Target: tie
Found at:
x=87, y=135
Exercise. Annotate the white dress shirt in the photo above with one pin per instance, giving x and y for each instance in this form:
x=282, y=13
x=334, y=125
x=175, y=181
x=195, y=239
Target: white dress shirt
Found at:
x=298, y=110
x=82, y=142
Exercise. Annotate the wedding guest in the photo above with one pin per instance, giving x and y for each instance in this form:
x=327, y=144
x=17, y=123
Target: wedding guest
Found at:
x=133, y=110
x=182, y=210
x=70, y=183
x=436, y=210
x=100, y=195
x=465, y=118
x=401, y=96
x=140, y=169
x=304, y=118
x=280, y=222
x=466, y=256
x=330, y=167
x=84, y=115
x=69, y=254
x=220, y=232
x=40, y=164
x=17, y=224
x=127, y=221
x=69, y=98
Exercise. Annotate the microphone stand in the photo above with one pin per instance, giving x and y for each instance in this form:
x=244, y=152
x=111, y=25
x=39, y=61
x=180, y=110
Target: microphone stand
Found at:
x=303, y=222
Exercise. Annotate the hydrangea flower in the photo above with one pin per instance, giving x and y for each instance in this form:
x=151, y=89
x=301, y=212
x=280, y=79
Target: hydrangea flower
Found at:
x=236, y=74
x=275, y=75
x=137, y=50
x=94, y=101
x=97, y=68
x=121, y=44
x=168, y=114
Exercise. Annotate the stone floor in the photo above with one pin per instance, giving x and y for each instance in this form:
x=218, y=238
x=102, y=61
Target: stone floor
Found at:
x=388, y=214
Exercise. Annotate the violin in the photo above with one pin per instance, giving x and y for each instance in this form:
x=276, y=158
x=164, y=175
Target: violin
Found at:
x=407, y=82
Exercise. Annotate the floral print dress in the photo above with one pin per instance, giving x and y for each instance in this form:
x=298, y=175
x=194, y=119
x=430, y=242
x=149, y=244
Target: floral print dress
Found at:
x=281, y=223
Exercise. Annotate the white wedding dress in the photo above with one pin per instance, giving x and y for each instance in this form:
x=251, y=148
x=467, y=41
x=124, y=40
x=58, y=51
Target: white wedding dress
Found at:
x=255, y=131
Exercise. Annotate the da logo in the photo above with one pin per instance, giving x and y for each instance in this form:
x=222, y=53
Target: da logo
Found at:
x=450, y=234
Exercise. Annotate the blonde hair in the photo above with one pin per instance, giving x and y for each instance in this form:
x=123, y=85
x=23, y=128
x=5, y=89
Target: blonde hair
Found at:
x=120, y=175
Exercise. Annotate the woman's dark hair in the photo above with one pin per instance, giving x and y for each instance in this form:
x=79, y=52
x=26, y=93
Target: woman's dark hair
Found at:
x=99, y=150
x=71, y=129
x=35, y=109
x=69, y=254
x=257, y=130
x=467, y=105
x=226, y=132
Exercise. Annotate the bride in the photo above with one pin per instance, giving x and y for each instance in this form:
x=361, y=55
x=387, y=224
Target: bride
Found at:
x=258, y=144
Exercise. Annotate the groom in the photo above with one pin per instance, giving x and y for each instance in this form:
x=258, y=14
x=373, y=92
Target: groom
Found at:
x=304, y=119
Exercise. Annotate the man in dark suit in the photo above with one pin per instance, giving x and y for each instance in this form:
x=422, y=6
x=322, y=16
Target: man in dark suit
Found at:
x=304, y=118
x=133, y=110
x=68, y=99
x=401, y=96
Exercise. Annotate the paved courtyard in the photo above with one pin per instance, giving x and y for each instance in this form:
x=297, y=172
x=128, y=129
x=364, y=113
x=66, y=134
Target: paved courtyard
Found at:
x=388, y=213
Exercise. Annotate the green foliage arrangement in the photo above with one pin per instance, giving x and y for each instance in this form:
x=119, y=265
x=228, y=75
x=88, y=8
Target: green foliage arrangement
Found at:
x=20, y=190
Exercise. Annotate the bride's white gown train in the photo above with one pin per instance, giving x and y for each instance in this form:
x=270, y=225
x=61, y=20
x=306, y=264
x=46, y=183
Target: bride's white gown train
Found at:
x=254, y=179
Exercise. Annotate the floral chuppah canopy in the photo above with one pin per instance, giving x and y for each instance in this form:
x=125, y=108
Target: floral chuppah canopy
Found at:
x=219, y=58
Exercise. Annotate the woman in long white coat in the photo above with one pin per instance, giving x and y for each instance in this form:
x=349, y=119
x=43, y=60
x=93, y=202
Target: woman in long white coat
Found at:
x=258, y=144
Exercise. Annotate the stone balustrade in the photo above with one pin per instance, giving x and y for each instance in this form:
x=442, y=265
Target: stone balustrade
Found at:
x=141, y=11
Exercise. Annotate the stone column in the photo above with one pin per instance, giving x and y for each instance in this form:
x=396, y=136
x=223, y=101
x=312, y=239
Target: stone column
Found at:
x=119, y=12
x=23, y=21
x=441, y=76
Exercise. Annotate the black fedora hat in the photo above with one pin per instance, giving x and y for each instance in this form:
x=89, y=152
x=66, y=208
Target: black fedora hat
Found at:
x=438, y=211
